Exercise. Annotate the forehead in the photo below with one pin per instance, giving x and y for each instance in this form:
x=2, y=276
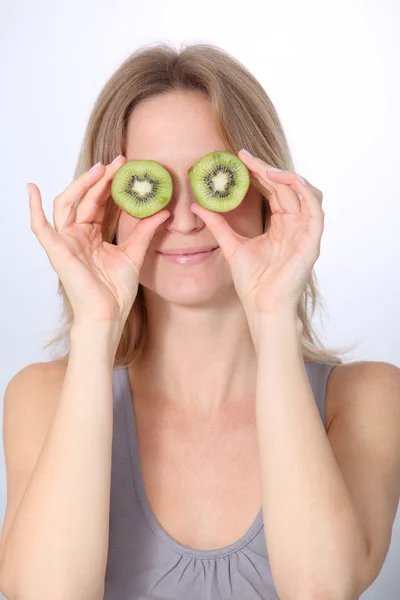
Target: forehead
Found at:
x=173, y=128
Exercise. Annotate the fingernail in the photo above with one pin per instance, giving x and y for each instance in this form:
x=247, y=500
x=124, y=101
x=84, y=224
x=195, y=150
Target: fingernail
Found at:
x=116, y=158
x=275, y=169
x=95, y=166
x=246, y=152
x=302, y=180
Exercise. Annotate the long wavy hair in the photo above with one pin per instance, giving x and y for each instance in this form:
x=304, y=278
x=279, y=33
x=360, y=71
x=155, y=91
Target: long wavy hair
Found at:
x=246, y=118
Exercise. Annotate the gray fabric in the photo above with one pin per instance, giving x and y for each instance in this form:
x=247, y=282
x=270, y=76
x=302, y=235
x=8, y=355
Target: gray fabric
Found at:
x=144, y=562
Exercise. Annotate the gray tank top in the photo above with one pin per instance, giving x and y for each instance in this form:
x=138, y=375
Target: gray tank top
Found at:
x=144, y=562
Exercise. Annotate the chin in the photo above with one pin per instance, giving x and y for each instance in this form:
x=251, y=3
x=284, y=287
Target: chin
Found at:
x=192, y=295
x=191, y=290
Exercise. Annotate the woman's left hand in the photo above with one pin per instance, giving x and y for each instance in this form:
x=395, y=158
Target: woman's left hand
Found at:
x=270, y=271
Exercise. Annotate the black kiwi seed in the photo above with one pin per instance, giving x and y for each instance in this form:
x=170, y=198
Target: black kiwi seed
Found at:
x=220, y=181
x=141, y=188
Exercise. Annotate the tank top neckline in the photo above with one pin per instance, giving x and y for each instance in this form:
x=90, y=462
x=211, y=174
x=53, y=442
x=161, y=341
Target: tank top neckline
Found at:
x=145, y=507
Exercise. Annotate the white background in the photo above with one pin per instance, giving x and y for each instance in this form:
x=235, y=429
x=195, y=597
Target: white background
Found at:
x=332, y=71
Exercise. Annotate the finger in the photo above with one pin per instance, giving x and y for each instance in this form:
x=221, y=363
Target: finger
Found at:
x=273, y=177
x=283, y=199
x=135, y=247
x=278, y=174
x=63, y=207
x=91, y=208
x=311, y=197
x=45, y=233
x=225, y=236
x=253, y=163
x=311, y=202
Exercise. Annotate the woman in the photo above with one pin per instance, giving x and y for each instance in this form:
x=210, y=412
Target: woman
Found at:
x=191, y=445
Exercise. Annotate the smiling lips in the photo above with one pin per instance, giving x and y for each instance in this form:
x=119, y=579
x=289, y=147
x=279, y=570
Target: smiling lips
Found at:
x=189, y=258
x=186, y=251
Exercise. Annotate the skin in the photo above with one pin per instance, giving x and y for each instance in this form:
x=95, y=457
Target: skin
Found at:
x=200, y=360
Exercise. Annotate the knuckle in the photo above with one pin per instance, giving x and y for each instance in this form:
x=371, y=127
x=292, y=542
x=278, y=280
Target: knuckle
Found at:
x=60, y=200
x=35, y=229
x=264, y=170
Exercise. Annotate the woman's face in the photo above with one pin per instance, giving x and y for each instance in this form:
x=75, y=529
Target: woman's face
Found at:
x=176, y=130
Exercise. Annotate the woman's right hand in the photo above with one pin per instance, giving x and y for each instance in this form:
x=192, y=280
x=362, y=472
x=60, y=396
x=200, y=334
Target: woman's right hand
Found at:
x=100, y=279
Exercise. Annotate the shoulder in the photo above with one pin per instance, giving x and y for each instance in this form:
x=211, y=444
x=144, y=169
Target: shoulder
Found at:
x=363, y=431
x=357, y=383
x=37, y=384
x=30, y=401
x=39, y=372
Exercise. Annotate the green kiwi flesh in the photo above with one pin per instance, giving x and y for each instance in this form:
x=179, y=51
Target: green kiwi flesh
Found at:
x=141, y=188
x=220, y=181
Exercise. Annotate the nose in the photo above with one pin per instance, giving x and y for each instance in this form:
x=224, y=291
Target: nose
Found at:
x=182, y=219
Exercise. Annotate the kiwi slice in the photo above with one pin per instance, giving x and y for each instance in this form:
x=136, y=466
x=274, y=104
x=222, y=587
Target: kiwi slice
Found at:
x=141, y=188
x=220, y=181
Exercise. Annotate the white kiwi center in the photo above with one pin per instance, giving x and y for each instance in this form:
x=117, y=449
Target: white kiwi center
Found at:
x=220, y=181
x=142, y=187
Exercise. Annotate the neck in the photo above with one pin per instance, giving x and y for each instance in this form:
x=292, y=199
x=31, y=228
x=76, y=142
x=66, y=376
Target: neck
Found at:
x=198, y=360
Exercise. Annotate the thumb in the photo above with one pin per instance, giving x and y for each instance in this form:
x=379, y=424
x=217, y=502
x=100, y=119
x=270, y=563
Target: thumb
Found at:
x=224, y=235
x=138, y=242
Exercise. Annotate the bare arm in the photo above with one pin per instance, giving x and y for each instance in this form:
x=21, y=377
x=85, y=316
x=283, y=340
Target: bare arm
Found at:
x=312, y=527
x=57, y=545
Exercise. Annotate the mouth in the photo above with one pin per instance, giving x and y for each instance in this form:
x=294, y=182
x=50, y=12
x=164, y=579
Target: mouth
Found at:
x=187, y=251
x=192, y=258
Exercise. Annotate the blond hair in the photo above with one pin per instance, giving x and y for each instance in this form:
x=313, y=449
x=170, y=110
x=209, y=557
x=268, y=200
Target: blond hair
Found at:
x=247, y=119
